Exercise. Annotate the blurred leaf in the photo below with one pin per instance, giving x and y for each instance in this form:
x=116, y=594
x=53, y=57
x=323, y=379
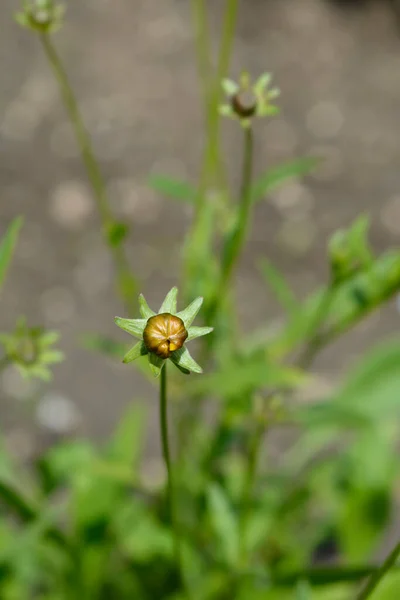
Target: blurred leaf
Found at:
x=224, y=523
x=373, y=386
x=127, y=441
x=363, y=519
x=142, y=537
x=352, y=301
x=173, y=188
x=236, y=378
x=280, y=287
x=7, y=246
x=278, y=175
x=303, y=591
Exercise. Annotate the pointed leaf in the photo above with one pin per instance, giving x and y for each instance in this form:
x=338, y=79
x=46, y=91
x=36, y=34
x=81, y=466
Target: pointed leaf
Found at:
x=181, y=369
x=156, y=364
x=173, y=188
x=145, y=309
x=195, y=332
x=239, y=378
x=224, y=523
x=7, y=246
x=138, y=349
x=169, y=304
x=183, y=359
x=133, y=326
x=230, y=87
x=262, y=83
x=279, y=286
x=278, y=175
x=127, y=441
x=188, y=315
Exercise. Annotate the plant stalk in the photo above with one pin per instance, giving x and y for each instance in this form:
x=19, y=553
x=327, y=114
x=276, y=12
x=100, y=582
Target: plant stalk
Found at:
x=379, y=574
x=248, y=487
x=125, y=281
x=170, y=480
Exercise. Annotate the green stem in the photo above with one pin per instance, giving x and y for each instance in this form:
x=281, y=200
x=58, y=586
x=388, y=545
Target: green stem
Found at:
x=236, y=238
x=170, y=480
x=234, y=243
x=125, y=280
x=316, y=340
x=203, y=47
x=378, y=575
x=199, y=239
x=249, y=479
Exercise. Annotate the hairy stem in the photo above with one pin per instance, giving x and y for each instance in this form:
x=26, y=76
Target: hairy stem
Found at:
x=125, y=281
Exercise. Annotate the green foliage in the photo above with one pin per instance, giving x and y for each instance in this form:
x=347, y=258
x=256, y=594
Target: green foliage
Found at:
x=272, y=498
x=7, y=246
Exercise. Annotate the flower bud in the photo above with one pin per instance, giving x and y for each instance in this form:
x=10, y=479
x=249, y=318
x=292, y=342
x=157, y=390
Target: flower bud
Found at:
x=163, y=334
x=244, y=104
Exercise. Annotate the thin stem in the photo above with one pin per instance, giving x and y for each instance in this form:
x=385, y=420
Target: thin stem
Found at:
x=203, y=48
x=125, y=280
x=379, y=574
x=316, y=339
x=235, y=241
x=199, y=238
x=170, y=480
x=248, y=487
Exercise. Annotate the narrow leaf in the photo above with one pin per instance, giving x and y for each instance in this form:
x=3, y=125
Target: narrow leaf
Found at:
x=195, y=332
x=280, y=287
x=156, y=364
x=145, y=310
x=189, y=314
x=133, y=326
x=182, y=358
x=173, y=188
x=138, y=349
x=7, y=246
x=278, y=175
x=169, y=304
x=128, y=439
x=224, y=523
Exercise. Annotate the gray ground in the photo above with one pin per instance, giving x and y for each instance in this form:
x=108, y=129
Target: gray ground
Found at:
x=132, y=64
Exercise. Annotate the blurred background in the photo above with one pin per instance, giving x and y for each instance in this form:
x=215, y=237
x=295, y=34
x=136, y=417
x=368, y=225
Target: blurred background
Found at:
x=133, y=67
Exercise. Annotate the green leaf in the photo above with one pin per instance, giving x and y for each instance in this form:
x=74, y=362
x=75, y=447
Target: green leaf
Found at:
x=280, y=287
x=133, y=326
x=7, y=246
x=128, y=438
x=173, y=188
x=182, y=358
x=224, y=523
x=189, y=314
x=145, y=310
x=352, y=301
x=230, y=87
x=373, y=386
x=278, y=175
x=195, y=332
x=138, y=349
x=169, y=303
x=303, y=591
x=156, y=364
x=239, y=378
